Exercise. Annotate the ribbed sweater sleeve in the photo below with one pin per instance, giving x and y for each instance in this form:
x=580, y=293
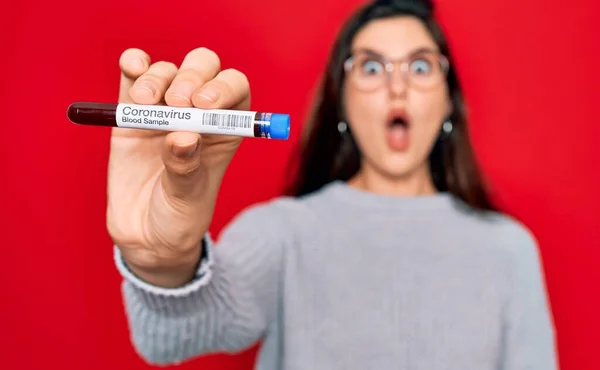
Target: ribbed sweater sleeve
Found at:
x=529, y=333
x=226, y=308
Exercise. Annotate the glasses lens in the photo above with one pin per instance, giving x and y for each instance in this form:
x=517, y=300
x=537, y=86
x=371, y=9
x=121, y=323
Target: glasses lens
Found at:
x=426, y=69
x=368, y=73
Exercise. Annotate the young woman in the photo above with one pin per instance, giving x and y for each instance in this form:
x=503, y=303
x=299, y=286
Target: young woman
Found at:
x=385, y=255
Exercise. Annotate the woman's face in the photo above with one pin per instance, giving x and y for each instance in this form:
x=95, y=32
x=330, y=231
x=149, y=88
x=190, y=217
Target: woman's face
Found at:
x=396, y=115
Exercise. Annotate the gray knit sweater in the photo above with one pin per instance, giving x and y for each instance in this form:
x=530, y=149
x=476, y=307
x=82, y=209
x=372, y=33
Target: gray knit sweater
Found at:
x=345, y=279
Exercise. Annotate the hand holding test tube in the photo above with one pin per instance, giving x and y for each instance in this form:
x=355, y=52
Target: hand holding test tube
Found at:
x=163, y=178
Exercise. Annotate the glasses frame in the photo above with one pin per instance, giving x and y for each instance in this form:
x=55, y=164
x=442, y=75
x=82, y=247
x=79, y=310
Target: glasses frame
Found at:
x=389, y=64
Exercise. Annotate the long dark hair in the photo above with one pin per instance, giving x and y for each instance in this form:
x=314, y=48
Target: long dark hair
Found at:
x=324, y=157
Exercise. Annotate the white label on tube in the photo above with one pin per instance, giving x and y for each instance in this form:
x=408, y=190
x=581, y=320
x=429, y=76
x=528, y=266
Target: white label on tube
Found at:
x=204, y=121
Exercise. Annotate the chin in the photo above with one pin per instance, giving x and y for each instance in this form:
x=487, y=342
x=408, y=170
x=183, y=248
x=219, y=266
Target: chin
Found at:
x=399, y=166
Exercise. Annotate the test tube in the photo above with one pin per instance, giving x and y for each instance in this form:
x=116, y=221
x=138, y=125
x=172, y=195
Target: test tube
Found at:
x=203, y=121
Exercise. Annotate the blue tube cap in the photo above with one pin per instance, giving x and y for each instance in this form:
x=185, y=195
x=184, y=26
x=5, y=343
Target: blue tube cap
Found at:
x=280, y=126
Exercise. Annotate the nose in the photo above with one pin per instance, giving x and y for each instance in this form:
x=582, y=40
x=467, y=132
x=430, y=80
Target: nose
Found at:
x=397, y=83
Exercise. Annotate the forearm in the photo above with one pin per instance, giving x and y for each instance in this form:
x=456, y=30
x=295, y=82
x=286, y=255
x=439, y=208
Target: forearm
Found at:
x=205, y=316
x=224, y=307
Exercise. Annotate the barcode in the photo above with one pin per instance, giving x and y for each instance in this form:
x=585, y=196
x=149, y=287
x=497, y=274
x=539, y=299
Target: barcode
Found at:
x=226, y=120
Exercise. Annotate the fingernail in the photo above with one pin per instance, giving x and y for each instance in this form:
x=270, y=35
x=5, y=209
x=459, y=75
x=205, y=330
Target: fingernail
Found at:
x=185, y=150
x=183, y=90
x=137, y=64
x=210, y=93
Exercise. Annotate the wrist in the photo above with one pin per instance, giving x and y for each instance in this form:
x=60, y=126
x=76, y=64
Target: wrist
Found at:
x=167, y=273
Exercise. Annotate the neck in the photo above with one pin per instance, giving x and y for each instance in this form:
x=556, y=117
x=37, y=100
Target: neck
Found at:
x=418, y=182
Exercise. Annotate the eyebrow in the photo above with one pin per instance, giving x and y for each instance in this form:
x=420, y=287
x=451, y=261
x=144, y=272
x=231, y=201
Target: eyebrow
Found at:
x=374, y=53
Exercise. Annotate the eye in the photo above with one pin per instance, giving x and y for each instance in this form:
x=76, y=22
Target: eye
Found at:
x=420, y=66
x=371, y=67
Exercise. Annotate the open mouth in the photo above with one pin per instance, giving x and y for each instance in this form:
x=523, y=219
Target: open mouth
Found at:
x=398, y=130
x=397, y=120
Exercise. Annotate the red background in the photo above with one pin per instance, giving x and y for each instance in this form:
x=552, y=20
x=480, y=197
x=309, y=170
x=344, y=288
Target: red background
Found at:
x=531, y=74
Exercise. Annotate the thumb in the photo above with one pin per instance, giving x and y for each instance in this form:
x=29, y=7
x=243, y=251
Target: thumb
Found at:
x=183, y=177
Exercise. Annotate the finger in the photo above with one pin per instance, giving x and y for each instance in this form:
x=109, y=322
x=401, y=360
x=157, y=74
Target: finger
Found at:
x=133, y=63
x=230, y=89
x=150, y=87
x=198, y=67
x=182, y=162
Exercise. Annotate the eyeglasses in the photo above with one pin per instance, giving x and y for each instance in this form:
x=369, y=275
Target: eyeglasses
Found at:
x=423, y=69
